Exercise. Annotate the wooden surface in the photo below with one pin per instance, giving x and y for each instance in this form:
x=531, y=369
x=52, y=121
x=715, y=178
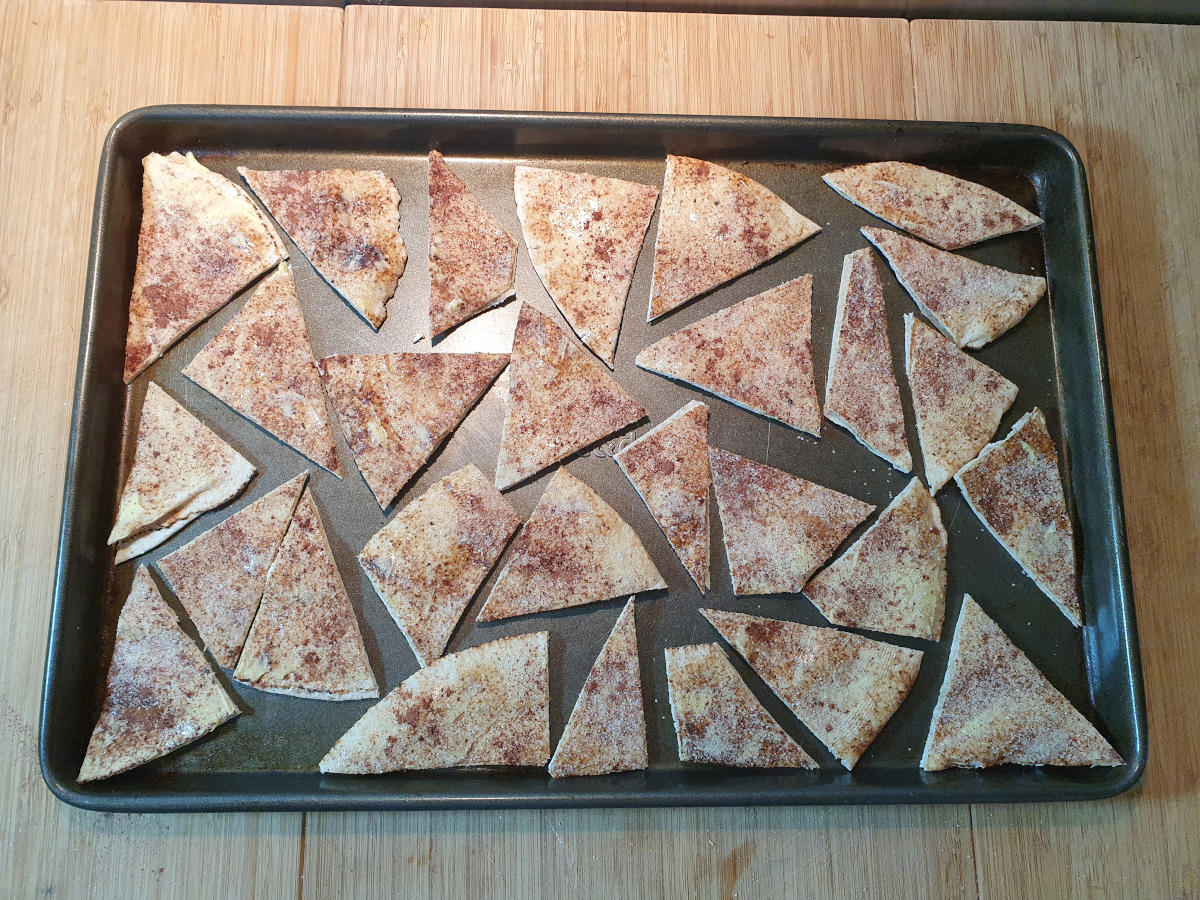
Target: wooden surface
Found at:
x=1128, y=96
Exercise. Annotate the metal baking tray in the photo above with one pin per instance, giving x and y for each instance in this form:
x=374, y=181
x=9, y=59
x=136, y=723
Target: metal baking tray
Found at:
x=267, y=758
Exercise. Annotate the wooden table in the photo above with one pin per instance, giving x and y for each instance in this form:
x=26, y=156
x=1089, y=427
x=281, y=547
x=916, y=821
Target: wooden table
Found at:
x=1127, y=95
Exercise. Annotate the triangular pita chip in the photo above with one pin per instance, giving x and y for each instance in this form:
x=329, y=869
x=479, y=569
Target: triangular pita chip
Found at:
x=995, y=707
x=777, y=528
x=220, y=575
x=715, y=224
x=347, y=222
x=305, y=639
x=1015, y=488
x=957, y=400
x=202, y=240
x=842, y=686
x=262, y=365
x=972, y=304
x=560, y=400
x=396, y=408
x=574, y=549
x=584, y=235
x=756, y=353
x=472, y=259
x=719, y=720
x=427, y=562
x=861, y=393
x=668, y=465
x=484, y=706
x=180, y=470
x=893, y=578
x=160, y=694
x=607, y=728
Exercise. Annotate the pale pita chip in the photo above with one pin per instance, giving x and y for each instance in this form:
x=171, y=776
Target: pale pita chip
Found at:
x=560, y=400
x=715, y=224
x=160, y=693
x=718, y=719
x=395, y=409
x=996, y=708
x=756, y=353
x=842, y=686
x=939, y=208
x=262, y=365
x=972, y=304
x=347, y=222
x=777, y=528
x=484, y=706
x=668, y=465
x=202, y=240
x=574, y=549
x=893, y=578
x=584, y=234
x=220, y=575
x=607, y=729
x=427, y=562
x=305, y=639
x=957, y=400
x=1015, y=488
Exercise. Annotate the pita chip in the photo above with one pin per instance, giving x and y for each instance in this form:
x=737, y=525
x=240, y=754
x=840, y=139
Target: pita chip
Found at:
x=842, y=686
x=996, y=708
x=160, y=694
x=202, y=240
x=427, y=562
x=947, y=212
x=715, y=224
x=574, y=549
x=972, y=304
x=756, y=354
x=718, y=719
x=584, y=235
x=607, y=729
x=305, y=639
x=1015, y=488
x=347, y=222
x=777, y=528
x=484, y=706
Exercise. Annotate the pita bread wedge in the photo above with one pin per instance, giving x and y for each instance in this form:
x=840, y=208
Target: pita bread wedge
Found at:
x=305, y=639
x=777, y=528
x=180, y=470
x=472, y=260
x=396, y=408
x=756, y=353
x=574, y=549
x=347, y=222
x=560, y=400
x=996, y=708
x=957, y=400
x=1015, y=488
x=972, y=304
x=584, y=235
x=947, y=212
x=160, y=694
x=668, y=465
x=718, y=719
x=427, y=562
x=715, y=224
x=201, y=241
x=842, y=686
x=893, y=578
x=484, y=706
x=262, y=365
x=607, y=729
x=861, y=393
